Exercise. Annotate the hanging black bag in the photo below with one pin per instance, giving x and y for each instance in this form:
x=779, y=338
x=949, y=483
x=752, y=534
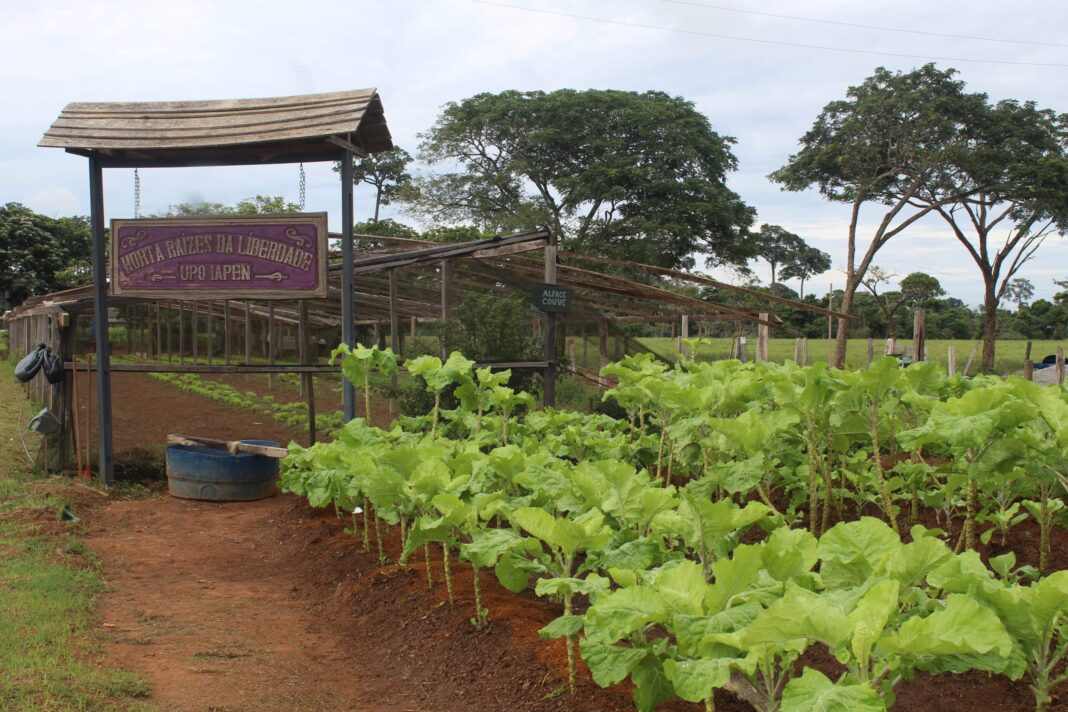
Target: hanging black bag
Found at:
x=52, y=367
x=30, y=364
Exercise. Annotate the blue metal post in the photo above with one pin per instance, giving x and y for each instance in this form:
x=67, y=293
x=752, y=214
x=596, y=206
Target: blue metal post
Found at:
x=100, y=307
x=348, y=305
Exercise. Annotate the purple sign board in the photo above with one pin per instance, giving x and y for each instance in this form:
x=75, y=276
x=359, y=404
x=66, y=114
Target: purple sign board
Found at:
x=209, y=257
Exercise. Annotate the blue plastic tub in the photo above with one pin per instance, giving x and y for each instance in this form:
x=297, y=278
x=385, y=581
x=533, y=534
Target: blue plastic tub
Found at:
x=214, y=475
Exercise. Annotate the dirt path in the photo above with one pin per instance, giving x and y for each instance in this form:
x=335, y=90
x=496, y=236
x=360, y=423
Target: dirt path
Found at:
x=205, y=606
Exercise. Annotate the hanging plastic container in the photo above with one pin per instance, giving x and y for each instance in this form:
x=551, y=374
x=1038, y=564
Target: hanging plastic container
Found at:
x=213, y=474
x=45, y=423
x=30, y=364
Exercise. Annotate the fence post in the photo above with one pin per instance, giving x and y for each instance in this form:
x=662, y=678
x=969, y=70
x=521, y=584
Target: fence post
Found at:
x=951, y=360
x=763, y=334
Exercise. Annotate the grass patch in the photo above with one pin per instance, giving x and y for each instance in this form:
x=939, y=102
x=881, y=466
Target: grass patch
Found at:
x=49, y=659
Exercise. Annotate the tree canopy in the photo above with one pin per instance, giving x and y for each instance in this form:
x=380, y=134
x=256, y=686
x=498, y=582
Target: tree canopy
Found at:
x=781, y=248
x=807, y=263
x=1009, y=191
x=882, y=146
x=256, y=205
x=386, y=172
x=39, y=254
x=635, y=176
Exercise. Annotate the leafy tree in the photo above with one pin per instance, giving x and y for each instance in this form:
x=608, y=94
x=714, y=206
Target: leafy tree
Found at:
x=1020, y=290
x=881, y=146
x=386, y=172
x=636, y=176
x=1061, y=297
x=386, y=228
x=809, y=262
x=1009, y=184
x=256, y=205
x=777, y=246
x=914, y=289
x=265, y=204
x=39, y=254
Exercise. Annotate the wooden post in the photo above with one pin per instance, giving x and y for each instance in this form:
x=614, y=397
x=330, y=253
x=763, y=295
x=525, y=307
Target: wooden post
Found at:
x=585, y=346
x=394, y=327
x=447, y=296
x=971, y=357
x=226, y=331
x=830, y=336
x=919, y=336
x=181, y=332
x=741, y=349
x=307, y=380
x=684, y=332
x=248, y=333
x=67, y=336
x=1060, y=365
x=871, y=351
x=196, y=330
x=413, y=325
x=602, y=345
x=376, y=335
x=210, y=345
x=571, y=354
x=763, y=335
x=951, y=360
x=1029, y=367
x=170, y=330
x=797, y=350
x=271, y=338
x=394, y=317
x=549, y=387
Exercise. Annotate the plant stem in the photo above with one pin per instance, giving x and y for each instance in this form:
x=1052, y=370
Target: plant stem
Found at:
x=710, y=702
x=434, y=419
x=480, y=619
x=880, y=479
x=828, y=494
x=448, y=570
x=570, y=642
x=1043, y=528
x=660, y=451
x=367, y=396
x=378, y=536
x=969, y=517
x=429, y=574
x=366, y=525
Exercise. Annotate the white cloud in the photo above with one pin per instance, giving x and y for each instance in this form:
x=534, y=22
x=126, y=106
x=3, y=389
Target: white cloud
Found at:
x=424, y=53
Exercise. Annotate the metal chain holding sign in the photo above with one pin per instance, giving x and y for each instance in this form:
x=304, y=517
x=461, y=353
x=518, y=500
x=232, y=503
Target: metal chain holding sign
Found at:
x=303, y=187
x=137, y=194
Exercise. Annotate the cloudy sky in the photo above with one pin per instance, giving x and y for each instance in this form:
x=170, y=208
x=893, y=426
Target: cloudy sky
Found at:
x=759, y=76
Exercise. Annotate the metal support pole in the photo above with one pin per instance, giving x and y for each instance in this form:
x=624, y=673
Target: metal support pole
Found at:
x=348, y=305
x=100, y=306
x=549, y=394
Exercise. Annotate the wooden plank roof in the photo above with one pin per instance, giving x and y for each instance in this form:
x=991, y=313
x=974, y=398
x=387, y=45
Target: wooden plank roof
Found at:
x=268, y=130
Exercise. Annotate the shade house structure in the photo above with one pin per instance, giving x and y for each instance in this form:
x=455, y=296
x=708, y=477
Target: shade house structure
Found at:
x=293, y=129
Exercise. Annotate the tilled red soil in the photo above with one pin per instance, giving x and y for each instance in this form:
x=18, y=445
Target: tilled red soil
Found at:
x=272, y=606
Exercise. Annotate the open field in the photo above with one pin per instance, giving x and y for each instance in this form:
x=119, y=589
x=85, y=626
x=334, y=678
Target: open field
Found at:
x=1010, y=353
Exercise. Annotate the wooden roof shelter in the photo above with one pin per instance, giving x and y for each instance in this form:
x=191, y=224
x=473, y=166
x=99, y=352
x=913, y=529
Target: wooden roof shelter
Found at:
x=287, y=129
x=290, y=129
